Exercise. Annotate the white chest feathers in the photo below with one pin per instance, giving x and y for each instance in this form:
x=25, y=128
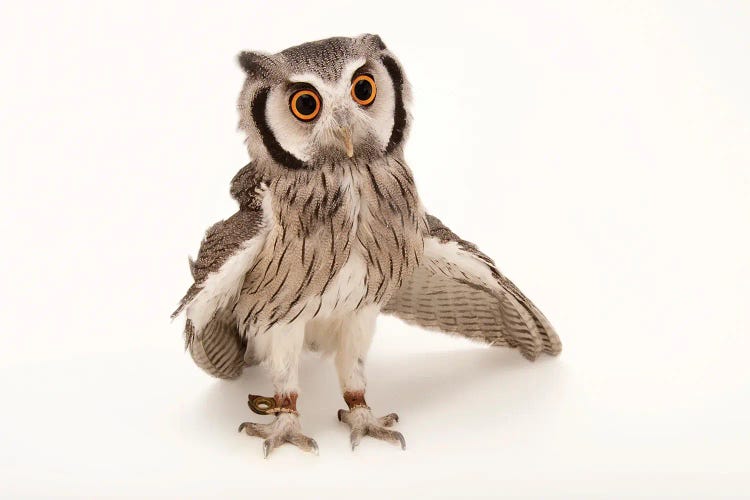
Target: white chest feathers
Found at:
x=348, y=289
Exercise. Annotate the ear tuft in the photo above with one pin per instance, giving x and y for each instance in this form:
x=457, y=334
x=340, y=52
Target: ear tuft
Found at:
x=255, y=64
x=373, y=41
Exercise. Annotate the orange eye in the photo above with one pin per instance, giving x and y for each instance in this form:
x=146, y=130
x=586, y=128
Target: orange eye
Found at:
x=363, y=90
x=305, y=104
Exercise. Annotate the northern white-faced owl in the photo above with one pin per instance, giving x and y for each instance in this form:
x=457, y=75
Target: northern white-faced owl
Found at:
x=330, y=232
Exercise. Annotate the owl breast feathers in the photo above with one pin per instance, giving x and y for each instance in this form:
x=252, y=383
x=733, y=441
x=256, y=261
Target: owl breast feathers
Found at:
x=453, y=287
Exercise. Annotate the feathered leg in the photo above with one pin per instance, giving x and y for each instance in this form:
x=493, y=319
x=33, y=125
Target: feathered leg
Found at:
x=280, y=349
x=355, y=338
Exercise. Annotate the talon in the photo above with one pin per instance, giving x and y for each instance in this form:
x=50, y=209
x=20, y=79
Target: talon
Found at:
x=403, y=441
x=284, y=429
x=249, y=428
x=388, y=420
x=365, y=424
x=356, y=436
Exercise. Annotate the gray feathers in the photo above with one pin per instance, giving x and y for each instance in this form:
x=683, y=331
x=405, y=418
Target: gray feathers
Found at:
x=219, y=349
x=257, y=65
x=323, y=218
x=449, y=293
x=221, y=241
x=245, y=186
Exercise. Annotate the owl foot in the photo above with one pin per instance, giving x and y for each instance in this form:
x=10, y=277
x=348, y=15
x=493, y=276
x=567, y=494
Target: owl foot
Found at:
x=284, y=429
x=363, y=423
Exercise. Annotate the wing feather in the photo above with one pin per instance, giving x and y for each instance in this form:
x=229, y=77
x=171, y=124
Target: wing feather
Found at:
x=219, y=349
x=225, y=255
x=457, y=289
x=227, y=251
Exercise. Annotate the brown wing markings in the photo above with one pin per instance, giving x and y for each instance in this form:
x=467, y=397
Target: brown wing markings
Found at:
x=441, y=295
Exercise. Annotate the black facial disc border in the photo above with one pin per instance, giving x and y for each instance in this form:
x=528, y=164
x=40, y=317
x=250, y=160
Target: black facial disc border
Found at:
x=279, y=154
x=399, y=113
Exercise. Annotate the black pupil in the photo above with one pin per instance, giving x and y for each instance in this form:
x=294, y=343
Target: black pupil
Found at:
x=363, y=90
x=306, y=104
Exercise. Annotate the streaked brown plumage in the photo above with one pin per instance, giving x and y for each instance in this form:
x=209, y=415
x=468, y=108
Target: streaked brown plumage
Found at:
x=322, y=217
x=330, y=232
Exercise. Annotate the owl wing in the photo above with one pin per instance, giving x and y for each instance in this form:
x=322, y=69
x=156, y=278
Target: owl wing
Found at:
x=226, y=253
x=457, y=289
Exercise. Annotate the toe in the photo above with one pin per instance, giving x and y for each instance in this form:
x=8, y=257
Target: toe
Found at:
x=388, y=435
x=356, y=436
x=388, y=420
x=304, y=442
x=271, y=444
x=253, y=429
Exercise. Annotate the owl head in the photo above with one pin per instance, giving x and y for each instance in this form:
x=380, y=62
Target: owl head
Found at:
x=324, y=102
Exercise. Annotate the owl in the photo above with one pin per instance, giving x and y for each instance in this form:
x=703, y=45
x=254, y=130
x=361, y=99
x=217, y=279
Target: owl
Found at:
x=330, y=233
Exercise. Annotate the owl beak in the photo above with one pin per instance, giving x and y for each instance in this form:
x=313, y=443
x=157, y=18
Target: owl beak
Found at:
x=345, y=134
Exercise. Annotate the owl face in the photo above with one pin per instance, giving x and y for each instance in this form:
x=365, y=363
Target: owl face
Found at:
x=324, y=102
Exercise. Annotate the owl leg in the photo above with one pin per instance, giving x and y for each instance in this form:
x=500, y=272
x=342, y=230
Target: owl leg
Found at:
x=355, y=338
x=280, y=348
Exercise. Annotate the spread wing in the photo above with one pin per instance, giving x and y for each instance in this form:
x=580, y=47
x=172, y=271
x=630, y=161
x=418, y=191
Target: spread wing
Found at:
x=226, y=253
x=457, y=289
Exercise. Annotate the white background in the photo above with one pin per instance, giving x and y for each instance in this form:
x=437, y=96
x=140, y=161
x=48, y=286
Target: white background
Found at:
x=600, y=152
